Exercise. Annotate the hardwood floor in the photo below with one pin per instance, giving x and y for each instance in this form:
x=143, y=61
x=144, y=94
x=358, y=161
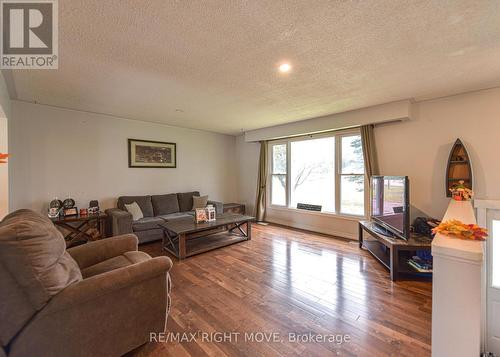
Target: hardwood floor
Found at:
x=289, y=281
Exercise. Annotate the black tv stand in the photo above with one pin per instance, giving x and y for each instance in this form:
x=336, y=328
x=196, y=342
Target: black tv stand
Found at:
x=381, y=230
x=392, y=252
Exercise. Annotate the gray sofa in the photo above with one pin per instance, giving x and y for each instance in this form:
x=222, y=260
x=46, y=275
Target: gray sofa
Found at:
x=156, y=209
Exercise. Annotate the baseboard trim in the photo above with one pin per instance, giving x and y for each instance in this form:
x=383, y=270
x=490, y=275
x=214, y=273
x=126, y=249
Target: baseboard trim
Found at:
x=305, y=227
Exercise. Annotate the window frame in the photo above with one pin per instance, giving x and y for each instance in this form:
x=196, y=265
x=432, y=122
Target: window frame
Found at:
x=271, y=172
x=338, y=174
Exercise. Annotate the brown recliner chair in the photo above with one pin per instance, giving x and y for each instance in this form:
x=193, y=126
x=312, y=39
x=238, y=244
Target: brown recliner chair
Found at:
x=102, y=298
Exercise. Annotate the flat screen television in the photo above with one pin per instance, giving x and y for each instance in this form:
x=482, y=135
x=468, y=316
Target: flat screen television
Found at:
x=390, y=204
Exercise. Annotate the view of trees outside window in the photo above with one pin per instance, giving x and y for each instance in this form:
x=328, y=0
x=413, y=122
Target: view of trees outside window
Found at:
x=279, y=172
x=352, y=184
x=312, y=173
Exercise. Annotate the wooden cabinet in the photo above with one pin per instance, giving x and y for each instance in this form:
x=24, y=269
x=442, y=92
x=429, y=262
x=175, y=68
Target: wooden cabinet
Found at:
x=234, y=208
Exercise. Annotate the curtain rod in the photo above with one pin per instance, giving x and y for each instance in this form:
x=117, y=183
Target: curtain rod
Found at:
x=316, y=133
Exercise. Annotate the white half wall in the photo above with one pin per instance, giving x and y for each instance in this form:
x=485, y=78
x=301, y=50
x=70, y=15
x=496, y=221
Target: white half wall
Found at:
x=58, y=152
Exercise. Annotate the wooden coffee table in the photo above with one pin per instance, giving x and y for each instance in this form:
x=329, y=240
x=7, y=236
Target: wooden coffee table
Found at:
x=184, y=238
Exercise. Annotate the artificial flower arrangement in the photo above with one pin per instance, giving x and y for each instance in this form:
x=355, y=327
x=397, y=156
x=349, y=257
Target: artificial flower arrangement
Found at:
x=461, y=193
x=3, y=157
x=461, y=230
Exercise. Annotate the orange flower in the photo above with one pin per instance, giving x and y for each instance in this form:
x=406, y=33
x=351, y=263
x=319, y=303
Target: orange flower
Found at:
x=3, y=157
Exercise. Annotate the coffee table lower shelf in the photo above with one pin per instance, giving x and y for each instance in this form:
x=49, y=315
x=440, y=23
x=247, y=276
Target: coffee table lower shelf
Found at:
x=204, y=244
x=184, y=238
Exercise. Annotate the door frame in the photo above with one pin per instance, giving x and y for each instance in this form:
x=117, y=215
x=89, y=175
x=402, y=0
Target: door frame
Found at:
x=482, y=207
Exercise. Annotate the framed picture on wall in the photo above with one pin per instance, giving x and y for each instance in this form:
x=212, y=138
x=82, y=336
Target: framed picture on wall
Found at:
x=156, y=154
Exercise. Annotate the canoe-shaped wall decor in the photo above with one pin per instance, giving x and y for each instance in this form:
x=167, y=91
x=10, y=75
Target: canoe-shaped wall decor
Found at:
x=459, y=167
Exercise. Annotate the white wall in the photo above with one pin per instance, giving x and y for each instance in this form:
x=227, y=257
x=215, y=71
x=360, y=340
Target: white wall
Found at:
x=388, y=112
x=58, y=152
x=418, y=148
x=4, y=170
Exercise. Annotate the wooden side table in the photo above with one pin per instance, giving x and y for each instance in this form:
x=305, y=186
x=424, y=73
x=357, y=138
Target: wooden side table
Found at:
x=237, y=208
x=78, y=227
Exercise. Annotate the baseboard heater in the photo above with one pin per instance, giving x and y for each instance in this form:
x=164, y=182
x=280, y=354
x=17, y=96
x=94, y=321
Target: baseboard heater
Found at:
x=308, y=207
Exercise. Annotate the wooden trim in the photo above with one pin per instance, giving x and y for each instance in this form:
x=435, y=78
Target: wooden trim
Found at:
x=308, y=231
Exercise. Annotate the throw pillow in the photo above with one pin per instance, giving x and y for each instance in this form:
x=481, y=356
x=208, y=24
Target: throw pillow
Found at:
x=199, y=202
x=135, y=210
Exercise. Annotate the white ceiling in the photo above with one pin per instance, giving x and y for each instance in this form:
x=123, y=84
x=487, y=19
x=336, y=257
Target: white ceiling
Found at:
x=217, y=60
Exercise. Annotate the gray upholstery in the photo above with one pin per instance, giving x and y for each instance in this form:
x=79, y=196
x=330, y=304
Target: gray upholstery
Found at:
x=219, y=206
x=119, y=222
x=143, y=201
x=186, y=200
x=165, y=204
x=147, y=229
x=146, y=223
x=171, y=216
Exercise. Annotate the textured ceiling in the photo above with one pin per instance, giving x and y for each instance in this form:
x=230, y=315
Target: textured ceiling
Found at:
x=212, y=65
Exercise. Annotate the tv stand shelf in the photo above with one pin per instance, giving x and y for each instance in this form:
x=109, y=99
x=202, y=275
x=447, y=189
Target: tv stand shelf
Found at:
x=392, y=252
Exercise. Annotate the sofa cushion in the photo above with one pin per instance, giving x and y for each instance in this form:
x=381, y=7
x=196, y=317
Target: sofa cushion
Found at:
x=146, y=223
x=171, y=216
x=34, y=266
x=165, y=204
x=120, y=261
x=144, y=203
x=186, y=200
x=199, y=202
x=134, y=210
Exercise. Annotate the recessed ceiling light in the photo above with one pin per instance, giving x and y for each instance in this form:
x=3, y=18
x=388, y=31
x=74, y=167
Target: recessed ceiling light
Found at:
x=285, y=67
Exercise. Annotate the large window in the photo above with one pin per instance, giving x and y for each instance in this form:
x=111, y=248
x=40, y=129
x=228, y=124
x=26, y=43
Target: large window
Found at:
x=312, y=172
x=323, y=170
